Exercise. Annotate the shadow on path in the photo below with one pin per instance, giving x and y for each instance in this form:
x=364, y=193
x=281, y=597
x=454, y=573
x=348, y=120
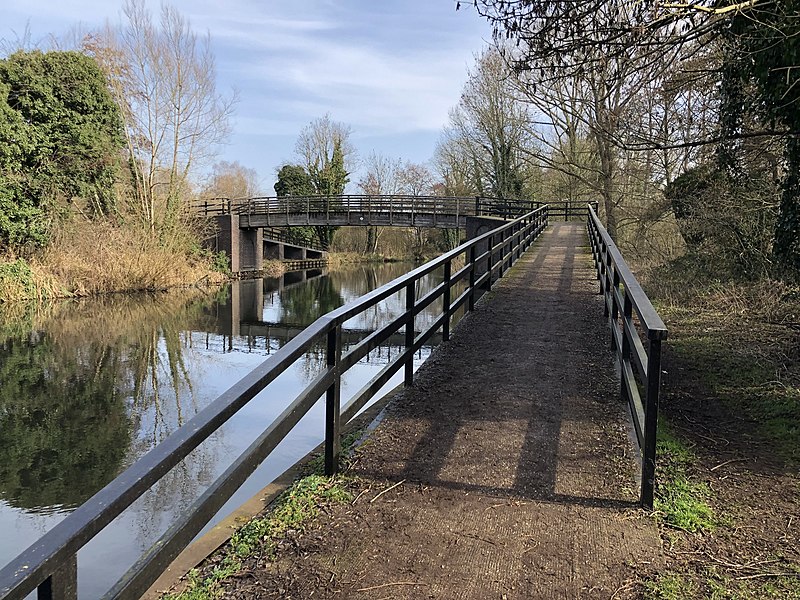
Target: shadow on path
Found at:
x=506, y=471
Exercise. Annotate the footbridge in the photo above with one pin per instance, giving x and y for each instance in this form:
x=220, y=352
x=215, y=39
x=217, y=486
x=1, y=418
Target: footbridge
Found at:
x=504, y=466
x=246, y=225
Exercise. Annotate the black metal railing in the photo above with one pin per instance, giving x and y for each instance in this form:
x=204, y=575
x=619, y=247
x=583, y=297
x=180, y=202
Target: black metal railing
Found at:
x=636, y=335
x=281, y=234
x=50, y=564
x=391, y=206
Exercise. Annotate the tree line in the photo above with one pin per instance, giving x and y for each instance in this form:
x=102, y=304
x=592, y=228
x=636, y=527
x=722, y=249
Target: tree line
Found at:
x=114, y=130
x=681, y=113
x=679, y=118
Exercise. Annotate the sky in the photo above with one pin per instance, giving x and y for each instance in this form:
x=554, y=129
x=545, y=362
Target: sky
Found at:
x=390, y=69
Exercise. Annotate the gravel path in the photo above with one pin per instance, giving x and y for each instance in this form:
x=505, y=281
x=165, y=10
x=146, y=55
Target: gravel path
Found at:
x=506, y=471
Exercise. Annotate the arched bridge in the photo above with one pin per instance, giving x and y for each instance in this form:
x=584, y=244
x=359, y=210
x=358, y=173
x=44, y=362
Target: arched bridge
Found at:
x=392, y=210
x=245, y=225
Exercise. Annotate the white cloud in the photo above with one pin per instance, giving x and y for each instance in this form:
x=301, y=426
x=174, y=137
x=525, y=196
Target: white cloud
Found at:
x=388, y=67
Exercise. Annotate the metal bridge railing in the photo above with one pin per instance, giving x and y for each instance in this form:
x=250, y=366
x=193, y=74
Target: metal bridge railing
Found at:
x=636, y=335
x=322, y=207
x=50, y=564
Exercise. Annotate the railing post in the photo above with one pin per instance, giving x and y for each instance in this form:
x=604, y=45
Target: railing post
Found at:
x=477, y=206
x=410, y=301
x=651, y=423
x=471, y=302
x=501, y=263
x=604, y=280
x=614, y=308
x=625, y=351
x=62, y=584
x=490, y=263
x=333, y=445
x=446, y=302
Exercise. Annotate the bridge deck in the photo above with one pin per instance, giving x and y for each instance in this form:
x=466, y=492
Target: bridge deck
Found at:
x=505, y=472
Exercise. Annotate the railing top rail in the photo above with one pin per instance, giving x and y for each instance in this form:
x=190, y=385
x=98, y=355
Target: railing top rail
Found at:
x=357, y=305
x=80, y=526
x=65, y=539
x=651, y=321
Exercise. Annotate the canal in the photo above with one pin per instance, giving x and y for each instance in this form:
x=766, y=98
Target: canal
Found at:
x=87, y=387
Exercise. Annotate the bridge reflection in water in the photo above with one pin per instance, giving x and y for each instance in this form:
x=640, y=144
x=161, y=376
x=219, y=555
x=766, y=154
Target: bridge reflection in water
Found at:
x=262, y=314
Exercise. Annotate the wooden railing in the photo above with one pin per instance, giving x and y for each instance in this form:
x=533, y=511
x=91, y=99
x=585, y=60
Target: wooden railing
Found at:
x=636, y=335
x=50, y=564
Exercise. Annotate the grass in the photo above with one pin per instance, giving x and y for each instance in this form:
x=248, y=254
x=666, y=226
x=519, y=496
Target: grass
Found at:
x=672, y=585
x=669, y=586
x=21, y=280
x=95, y=258
x=734, y=347
x=680, y=502
x=89, y=258
x=292, y=511
x=750, y=369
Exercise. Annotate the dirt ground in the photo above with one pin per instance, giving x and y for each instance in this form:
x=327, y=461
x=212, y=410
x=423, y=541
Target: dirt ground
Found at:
x=754, y=552
x=506, y=471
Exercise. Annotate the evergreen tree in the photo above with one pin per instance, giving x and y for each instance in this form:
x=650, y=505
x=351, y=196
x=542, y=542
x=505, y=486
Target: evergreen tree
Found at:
x=60, y=139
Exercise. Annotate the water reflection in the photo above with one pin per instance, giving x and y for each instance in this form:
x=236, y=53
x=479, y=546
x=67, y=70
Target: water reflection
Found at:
x=88, y=387
x=77, y=390
x=57, y=448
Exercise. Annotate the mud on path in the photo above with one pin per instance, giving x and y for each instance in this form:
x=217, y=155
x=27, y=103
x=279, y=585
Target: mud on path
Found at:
x=506, y=471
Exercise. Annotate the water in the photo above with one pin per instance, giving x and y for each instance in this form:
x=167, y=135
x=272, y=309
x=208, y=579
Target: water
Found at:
x=87, y=387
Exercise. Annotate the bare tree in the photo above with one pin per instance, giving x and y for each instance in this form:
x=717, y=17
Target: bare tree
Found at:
x=417, y=180
x=231, y=180
x=163, y=76
x=382, y=177
x=490, y=127
x=456, y=175
x=327, y=154
x=328, y=157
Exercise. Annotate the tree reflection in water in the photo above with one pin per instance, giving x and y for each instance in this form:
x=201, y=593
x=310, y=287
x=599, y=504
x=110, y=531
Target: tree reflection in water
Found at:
x=78, y=382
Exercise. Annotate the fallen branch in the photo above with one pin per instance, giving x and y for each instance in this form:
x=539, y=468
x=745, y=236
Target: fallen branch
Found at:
x=361, y=493
x=759, y=575
x=727, y=462
x=389, y=489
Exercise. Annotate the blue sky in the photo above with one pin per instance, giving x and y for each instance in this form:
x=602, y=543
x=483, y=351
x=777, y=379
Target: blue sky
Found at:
x=391, y=69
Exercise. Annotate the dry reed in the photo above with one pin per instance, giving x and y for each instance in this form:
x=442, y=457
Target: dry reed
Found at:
x=96, y=258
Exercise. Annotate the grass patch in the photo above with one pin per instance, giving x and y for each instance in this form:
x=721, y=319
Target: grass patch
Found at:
x=99, y=257
x=669, y=586
x=746, y=376
x=292, y=511
x=21, y=280
x=786, y=587
x=680, y=502
x=711, y=585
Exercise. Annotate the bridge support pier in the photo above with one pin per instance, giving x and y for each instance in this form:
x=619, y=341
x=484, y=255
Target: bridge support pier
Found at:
x=244, y=247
